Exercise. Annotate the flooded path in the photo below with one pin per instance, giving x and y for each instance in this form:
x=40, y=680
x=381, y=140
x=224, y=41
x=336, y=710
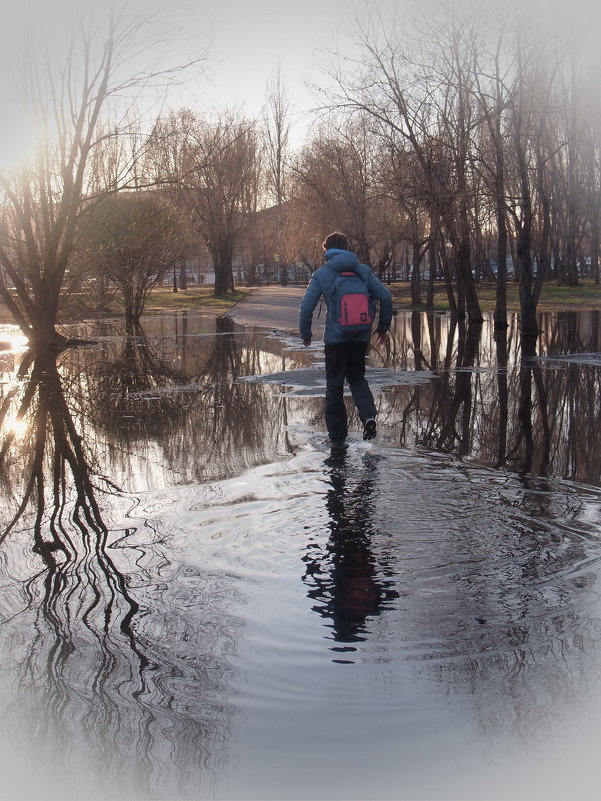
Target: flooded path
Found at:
x=217, y=607
x=389, y=653
x=272, y=307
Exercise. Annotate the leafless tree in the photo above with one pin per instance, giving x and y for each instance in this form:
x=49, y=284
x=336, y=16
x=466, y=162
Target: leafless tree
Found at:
x=531, y=82
x=277, y=132
x=132, y=238
x=491, y=76
x=420, y=105
x=213, y=167
x=336, y=181
x=500, y=128
x=66, y=96
x=408, y=206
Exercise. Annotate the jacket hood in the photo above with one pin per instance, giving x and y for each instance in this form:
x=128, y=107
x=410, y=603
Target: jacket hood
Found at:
x=340, y=260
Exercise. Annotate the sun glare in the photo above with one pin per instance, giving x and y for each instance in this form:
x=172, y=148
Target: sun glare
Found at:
x=17, y=141
x=19, y=428
x=11, y=340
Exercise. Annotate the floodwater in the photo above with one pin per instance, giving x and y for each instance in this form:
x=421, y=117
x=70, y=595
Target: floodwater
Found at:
x=200, y=601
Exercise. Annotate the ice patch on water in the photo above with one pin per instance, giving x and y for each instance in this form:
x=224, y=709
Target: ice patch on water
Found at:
x=311, y=381
x=164, y=392
x=477, y=369
x=591, y=359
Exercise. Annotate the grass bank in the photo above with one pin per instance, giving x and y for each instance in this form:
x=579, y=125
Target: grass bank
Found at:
x=196, y=298
x=553, y=298
x=166, y=299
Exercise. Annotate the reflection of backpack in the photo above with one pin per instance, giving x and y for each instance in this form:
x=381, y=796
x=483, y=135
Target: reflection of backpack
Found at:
x=352, y=303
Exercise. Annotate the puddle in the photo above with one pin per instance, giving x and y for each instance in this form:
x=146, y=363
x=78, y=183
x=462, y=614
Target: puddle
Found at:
x=218, y=607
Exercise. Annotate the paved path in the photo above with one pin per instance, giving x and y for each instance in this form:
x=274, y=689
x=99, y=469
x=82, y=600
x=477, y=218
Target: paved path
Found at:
x=270, y=307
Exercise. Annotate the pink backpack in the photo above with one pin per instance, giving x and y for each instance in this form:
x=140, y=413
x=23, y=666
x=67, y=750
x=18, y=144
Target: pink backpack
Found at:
x=353, y=303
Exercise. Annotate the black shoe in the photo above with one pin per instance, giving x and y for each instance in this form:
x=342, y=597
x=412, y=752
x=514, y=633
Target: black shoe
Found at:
x=369, y=428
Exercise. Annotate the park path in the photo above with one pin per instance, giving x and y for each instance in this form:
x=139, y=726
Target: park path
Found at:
x=270, y=307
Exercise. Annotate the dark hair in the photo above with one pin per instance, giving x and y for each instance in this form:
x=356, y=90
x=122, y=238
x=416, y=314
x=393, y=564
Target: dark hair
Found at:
x=336, y=240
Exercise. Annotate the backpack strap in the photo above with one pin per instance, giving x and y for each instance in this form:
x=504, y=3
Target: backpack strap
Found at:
x=347, y=273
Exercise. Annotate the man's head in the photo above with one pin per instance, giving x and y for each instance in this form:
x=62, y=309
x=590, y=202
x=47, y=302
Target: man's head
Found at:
x=336, y=240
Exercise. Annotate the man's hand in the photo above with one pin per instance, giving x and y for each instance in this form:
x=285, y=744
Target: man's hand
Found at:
x=306, y=342
x=381, y=336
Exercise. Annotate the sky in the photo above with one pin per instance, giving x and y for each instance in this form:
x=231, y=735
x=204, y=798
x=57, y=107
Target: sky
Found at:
x=250, y=41
x=247, y=41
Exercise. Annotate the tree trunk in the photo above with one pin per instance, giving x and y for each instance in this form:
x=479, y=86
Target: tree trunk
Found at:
x=43, y=323
x=222, y=261
x=500, y=315
x=466, y=280
x=448, y=280
x=130, y=317
x=433, y=256
x=595, y=241
x=528, y=300
x=415, y=276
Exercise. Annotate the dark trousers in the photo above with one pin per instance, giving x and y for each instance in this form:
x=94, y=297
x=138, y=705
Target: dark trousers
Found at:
x=345, y=361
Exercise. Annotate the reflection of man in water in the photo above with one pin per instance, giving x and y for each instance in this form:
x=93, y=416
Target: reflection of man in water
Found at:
x=343, y=577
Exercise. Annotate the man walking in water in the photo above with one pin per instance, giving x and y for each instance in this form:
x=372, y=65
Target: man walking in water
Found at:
x=350, y=291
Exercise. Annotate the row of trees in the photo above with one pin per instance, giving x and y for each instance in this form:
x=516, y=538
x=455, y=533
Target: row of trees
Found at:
x=474, y=143
x=452, y=154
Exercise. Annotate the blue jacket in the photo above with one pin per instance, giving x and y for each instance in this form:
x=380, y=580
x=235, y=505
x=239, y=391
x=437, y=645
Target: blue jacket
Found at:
x=322, y=284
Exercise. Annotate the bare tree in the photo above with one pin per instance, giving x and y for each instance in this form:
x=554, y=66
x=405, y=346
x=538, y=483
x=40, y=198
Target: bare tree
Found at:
x=490, y=82
x=336, y=180
x=592, y=173
x=529, y=103
x=419, y=97
x=449, y=81
x=213, y=167
x=42, y=197
x=132, y=238
x=277, y=133
x=503, y=139
x=408, y=206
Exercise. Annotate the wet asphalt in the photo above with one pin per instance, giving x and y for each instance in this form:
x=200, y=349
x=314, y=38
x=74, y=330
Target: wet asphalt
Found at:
x=273, y=307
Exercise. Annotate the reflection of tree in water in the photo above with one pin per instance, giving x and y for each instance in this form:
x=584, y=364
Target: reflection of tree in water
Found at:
x=457, y=424
x=525, y=633
x=344, y=577
x=511, y=623
x=205, y=423
x=445, y=411
x=496, y=402
x=139, y=379
x=525, y=447
x=236, y=424
x=94, y=682
x=565, y=406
